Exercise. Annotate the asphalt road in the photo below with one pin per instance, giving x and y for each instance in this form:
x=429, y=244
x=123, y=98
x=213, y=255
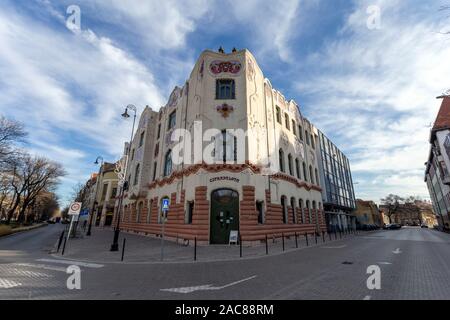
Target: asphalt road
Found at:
x=414, y=264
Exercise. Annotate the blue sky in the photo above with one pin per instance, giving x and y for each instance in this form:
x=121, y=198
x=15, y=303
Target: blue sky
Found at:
x=371, y=91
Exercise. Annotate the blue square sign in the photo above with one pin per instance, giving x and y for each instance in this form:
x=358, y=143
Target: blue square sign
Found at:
x=165, y=204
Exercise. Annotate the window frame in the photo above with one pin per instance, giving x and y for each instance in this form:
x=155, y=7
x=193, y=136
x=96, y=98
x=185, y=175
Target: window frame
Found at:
x=221, y=85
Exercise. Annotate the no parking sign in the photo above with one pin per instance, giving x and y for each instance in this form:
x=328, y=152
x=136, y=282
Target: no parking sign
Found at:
x=74, y=208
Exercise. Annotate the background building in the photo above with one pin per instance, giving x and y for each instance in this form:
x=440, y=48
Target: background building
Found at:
x=367, y=213
x=437, y=176
x=337, y=192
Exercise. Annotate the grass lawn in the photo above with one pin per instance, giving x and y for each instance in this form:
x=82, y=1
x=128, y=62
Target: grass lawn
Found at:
x=5, y=230
x=13, y=228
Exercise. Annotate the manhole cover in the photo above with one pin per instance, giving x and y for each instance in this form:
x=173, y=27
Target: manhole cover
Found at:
x=347, y=262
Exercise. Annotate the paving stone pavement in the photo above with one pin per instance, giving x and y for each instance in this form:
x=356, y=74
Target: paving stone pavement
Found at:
x=414, y=264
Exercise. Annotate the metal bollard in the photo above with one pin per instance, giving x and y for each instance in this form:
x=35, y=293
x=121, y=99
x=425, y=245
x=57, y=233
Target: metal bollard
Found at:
x=306, y=237
x=267, y=246
x=335, y=234
x=296, y=240
x=123, y=248
x=240, y=246
x=195, y=249
x=64, y=246
x=315, y=236
x=282, y=237
x=61, y=237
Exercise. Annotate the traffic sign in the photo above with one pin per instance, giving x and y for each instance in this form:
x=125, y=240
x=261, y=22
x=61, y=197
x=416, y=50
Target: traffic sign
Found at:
x=74, y=208
x=165, y=204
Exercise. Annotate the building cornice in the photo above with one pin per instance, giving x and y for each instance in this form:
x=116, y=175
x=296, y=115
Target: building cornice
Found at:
x=234, y=168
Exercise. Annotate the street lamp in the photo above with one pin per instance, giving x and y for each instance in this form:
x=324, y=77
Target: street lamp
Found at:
x=115, y=244
x=96, y=189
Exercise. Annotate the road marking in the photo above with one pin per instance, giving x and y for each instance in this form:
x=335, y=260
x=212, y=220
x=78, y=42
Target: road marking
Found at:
x=367, y=298
x=387, y=263
x=205, y=287
x=336, y=247
x=8, y=284
x=41, y=266
x=72, y=262
x=28, y=273
x=396, y=251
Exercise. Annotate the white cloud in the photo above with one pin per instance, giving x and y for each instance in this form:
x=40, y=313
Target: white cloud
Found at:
x=380, y=86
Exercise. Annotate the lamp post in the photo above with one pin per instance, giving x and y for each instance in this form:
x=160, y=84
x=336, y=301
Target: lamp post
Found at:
x=96, y=190
x=115, y=244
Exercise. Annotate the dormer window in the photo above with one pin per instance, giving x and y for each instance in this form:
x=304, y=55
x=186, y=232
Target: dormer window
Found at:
x=225, y=89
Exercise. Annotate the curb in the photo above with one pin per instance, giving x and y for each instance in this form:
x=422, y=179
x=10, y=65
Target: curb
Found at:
x=197, y=262
x=14, y=232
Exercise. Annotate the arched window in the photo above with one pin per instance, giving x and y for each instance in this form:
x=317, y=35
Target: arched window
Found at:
x=168, y=163
x=311, y=174
x=284, y=209
x=286, y=121
x=149, y=212
x=294, y=210
x=136, y=174
x=291, y=167
x=297, y=168
x=313, y=145
x=317, y=177
x=305, y=174
x=300, y=203
x=308, y=207
x=278, y=114
x=139, y=212
x=307, y=137
x=281, y=159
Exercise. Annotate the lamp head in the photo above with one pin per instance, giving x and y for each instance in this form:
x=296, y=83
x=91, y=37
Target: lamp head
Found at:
x=125, y=114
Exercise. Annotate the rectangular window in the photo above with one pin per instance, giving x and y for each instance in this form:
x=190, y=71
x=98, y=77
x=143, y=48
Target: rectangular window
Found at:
x=141, y=139
x=294, y=128
x=172, y=120
x=154, y=171
x=225, y=89
x=114, y=193
x=190, y=212
x=307, y=137
x=286, y=121
x=159, y=131
x=105, y=190
x=300, y=132
x=260, y=210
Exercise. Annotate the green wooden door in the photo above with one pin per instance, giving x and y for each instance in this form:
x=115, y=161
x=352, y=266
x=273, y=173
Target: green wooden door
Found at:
x=224, y=215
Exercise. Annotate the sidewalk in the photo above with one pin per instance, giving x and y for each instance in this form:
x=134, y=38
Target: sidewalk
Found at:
x=140, y=249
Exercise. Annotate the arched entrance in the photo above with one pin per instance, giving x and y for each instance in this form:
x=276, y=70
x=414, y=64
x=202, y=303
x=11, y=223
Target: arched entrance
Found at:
x=224, y=215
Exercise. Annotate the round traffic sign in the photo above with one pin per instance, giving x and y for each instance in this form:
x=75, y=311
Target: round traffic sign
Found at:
x=75, y=206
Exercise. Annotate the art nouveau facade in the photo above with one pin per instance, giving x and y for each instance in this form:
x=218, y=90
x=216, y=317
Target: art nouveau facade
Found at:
x=265, y=184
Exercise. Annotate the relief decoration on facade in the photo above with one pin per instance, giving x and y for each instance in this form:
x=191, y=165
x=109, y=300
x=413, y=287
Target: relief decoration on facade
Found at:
x=232, y=67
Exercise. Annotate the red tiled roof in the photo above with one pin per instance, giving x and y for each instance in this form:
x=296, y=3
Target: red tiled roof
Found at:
x=443, y=117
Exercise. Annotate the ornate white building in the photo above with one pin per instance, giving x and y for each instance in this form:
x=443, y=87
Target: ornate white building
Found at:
x=265, y=184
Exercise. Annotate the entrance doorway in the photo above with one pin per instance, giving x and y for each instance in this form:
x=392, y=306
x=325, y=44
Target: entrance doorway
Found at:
x=224, y=215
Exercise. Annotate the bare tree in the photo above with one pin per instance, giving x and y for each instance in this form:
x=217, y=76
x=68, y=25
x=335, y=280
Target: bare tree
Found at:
x=30, y=178
x=11, y=132
x=391, y=202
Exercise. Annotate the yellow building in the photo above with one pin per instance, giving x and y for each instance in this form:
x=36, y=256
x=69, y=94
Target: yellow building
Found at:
x=367, y=213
